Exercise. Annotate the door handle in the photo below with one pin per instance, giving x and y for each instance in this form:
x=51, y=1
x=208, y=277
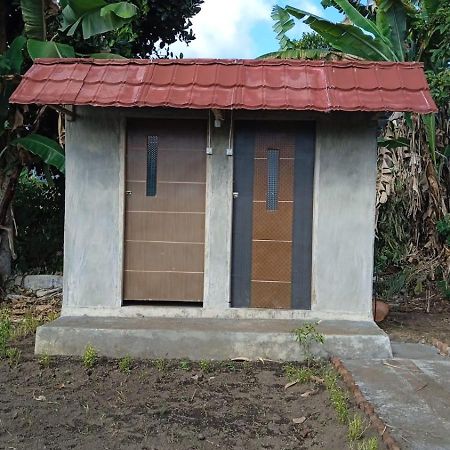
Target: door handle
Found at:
x=128, y=192
x=235, y=194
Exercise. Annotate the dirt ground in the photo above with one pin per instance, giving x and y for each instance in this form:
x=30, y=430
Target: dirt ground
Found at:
x=409, y=321
x=236, y=405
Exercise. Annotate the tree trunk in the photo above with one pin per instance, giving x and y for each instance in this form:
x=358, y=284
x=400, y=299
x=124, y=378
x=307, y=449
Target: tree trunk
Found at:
x=8, y=184
x=3, y=26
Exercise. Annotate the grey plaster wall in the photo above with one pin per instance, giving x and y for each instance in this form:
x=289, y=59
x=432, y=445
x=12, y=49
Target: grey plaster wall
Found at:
x=344, y=215
x=92, y=243
x=219, y=205
x=343, y=229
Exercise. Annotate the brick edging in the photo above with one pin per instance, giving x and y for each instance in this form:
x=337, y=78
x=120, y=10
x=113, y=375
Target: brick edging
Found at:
x=441, y=346
x=365, y=406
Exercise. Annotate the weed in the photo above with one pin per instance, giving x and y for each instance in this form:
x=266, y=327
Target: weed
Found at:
x=161, y=364
x=5, y=331
x=26, y=326
x=230, y=365
x=300, y=374
x=89, y=357
x=307, y=335
x=13, y=355
x=356, y=428
x=45, y=360
x=125, y=364
x=338, y=396
x=205, y=366
x=51, y=316
x=368, y=444
x=185, y=365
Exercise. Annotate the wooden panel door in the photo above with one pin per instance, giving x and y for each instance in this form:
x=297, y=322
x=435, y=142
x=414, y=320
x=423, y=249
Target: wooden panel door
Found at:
x=272, y=216
x=165, y=210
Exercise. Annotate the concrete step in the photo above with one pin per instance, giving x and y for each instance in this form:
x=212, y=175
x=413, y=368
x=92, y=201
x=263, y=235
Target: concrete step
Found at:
x=207, y=338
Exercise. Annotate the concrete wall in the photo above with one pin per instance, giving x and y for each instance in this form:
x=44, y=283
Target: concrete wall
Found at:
x=343, y=230
x=93, y=223
x=344, y=215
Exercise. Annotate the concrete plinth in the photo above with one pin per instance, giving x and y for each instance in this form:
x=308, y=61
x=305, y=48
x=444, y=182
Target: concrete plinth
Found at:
x=206, y=338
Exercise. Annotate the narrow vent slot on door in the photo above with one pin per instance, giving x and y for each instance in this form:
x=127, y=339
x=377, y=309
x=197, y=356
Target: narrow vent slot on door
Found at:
x=273, y=179
x=152, y=158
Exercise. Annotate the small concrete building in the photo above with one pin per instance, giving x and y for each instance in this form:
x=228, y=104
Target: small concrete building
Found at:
x=212, y=206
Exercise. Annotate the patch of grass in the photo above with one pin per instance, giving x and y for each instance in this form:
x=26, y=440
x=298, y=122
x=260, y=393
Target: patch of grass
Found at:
x=45, y=360
x=125, y=364
x=89, y=357
x=26, y=326
x=300, y=374
x=13, y=354
x=185, y=365
x=5, y=331
x=368, y=444
x=52, y=316
x=356, y=428
x=338, y=396
x=161, y=364
x=206, y=366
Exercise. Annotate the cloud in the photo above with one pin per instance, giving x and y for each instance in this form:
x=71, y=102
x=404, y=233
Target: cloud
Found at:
x=239, y=28
x=225, y=29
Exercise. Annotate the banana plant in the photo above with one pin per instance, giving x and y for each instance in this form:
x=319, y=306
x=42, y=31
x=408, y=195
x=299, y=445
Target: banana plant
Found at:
x=382, y=39
x=93, y=16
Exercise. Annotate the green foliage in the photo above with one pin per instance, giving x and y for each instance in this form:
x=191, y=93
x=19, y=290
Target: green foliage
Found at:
x=356, y=428
x=338, y=397
x=161, y=364
x=49, y=49
x=89, y=357
x=185, y=365
x=125, y=364
x=306, y=336
x=5, y=331
x=39, y=211
x=26, y=326
x=45, y=360
x=368, y=444
x=33, y=13
x=47, y=149
x=206, y=366
x=95, y=17
x=13, y=355
x=443, y=228
x=300, y=374
x=439, y=83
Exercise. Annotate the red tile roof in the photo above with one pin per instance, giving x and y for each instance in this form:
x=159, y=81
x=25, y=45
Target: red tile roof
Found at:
x=227, y=84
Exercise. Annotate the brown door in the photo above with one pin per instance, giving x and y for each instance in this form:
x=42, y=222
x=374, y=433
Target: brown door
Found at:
x=272, y=215
x=165, y=210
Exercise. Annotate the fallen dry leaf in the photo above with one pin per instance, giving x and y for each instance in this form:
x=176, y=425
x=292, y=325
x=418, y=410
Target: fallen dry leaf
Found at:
x=292, y=383
x=40, y=398
x=299, y=420
x=309, y=393
x=241, y=358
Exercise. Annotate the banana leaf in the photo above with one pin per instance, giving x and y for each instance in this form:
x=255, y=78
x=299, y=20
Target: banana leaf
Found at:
x=33, y=13
x=391, y=20
x=47, y=149
x=49, y=49
x=350, y=39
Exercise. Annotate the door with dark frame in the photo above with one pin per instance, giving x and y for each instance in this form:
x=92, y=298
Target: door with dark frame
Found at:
x=164, y=210
x=272, y=215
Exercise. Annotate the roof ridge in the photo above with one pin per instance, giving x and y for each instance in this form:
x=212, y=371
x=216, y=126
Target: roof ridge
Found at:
x=239, y=62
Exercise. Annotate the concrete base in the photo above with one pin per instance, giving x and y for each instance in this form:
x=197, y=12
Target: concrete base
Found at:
x=197, y=339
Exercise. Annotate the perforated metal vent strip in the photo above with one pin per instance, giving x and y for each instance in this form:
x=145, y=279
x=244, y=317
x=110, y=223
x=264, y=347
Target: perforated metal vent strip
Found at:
x=273, y=179
x=152, y=158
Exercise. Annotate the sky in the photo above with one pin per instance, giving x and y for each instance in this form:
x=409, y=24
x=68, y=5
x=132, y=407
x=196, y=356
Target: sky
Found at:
x=241, y=28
